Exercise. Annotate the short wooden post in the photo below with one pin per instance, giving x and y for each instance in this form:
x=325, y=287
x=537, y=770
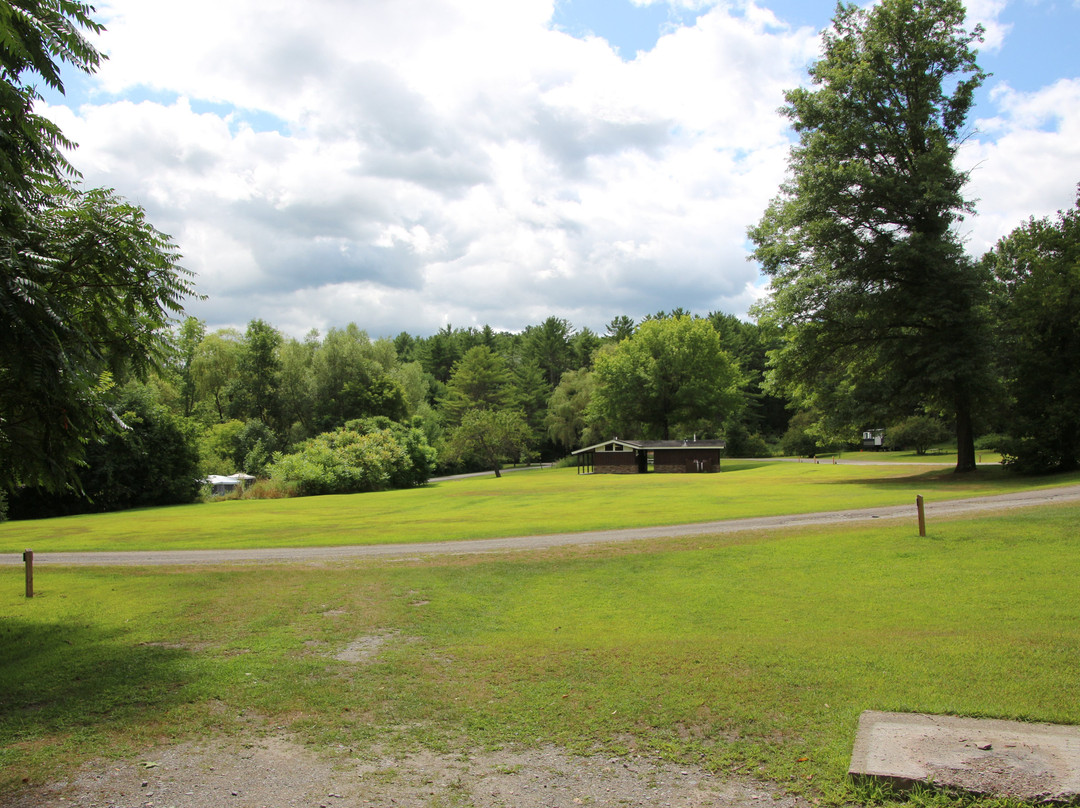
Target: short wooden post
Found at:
x=28, y=559
x=922, y=515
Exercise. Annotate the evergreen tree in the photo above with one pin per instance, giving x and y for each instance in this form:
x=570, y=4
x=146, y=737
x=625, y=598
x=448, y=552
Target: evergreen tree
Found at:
x=869, y=277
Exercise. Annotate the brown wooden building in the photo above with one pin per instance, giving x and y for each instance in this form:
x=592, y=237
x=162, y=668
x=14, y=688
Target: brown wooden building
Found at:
x=640, y=456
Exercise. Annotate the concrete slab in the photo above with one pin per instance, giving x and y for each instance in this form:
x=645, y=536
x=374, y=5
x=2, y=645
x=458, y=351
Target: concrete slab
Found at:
x=985, y=756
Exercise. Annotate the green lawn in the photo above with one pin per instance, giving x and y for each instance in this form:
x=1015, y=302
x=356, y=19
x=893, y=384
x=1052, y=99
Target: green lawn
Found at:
x=548, y=501
x=752, y=653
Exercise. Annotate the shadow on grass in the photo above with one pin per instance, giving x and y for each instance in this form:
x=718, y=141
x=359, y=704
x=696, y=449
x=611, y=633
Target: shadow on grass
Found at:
x=57, y=679
x=982, y=479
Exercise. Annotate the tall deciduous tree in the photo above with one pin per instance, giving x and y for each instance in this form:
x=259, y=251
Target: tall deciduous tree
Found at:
x=867, y=270
x=671, y=372
x=87, y=286
x=1037, y=268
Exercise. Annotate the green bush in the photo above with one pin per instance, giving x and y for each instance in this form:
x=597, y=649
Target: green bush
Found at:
x=990, y=443
x=371, y=454
x=919, y=432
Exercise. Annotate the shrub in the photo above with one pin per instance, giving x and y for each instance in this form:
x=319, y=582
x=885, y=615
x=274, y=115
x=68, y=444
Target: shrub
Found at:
x=368, y=455
x=990, y=443
x=919, y=432
x=270, y=489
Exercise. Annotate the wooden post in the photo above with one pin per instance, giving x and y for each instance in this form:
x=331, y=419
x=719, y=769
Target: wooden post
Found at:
x=28, y=559
x=922, y=515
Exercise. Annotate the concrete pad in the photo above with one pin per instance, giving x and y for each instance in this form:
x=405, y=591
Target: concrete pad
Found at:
x=985, y=756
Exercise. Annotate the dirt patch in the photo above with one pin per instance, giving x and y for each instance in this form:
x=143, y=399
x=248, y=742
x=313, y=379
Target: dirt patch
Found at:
x=366, y=649
x=277, y=771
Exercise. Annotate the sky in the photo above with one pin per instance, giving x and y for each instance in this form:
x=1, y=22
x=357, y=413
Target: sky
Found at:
x=412, y=164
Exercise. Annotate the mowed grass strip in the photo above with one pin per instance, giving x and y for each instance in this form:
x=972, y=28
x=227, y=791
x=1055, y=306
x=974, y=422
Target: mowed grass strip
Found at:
x=523, y=503
x=752, y=653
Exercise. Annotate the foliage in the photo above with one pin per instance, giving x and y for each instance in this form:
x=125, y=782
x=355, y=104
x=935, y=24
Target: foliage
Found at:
x=87, y=286
x=882, y=310
x=673, y=372
x=548, y=345
x=479, y=381
x=152, y=460
x=799, y=440
x=919, y=432
x=990, y=442
x=349, y=382
x=749, y=343
x=740, y=442
x=213, y=368
x=566, y=415
x=620, y=328
x=365, y=455
x=86, y=291
x=1037, y=269
x=490, y=437
x=255, y=388
x=38, y=37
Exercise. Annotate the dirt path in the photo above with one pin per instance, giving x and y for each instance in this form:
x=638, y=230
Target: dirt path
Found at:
x=276, y=771
x=1070, y=493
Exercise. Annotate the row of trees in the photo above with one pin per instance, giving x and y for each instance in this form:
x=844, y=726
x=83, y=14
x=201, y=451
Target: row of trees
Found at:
x=479, y=396
x=876, y=317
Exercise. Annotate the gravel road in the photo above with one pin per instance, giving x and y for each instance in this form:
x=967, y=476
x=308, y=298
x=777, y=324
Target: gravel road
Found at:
x=1069, y=493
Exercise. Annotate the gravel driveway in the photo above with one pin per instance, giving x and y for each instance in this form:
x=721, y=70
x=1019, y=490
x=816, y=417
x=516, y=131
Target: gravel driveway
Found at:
x=1070, y=493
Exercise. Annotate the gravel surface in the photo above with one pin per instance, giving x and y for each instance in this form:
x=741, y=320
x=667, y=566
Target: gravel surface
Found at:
x=1069, y=493
x=279, y=772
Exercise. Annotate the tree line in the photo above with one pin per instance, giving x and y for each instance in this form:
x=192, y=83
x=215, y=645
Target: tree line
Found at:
x=109, y=398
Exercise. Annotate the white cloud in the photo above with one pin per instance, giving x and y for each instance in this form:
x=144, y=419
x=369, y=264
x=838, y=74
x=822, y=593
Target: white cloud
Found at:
x=1031, y=167
x=458, y=161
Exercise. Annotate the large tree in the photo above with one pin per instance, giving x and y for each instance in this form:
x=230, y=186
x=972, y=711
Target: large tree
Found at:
x=884, y=312
x=87, y=285
x=1037, y=268
x=672, y=373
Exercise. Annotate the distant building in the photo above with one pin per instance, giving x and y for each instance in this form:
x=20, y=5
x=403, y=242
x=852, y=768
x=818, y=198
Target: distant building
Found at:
x=668, y=456
x=873, y=440
x=226, y=484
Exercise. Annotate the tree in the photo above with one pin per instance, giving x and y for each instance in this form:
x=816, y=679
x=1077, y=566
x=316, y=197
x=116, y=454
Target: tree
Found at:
x=349, y=383
x=152, y=461
x=566, y=414
x=87, y=286
x=868, y=273
x=480, y=380
x=620, y=328
x=87, y=291
x=490, y=437
x=548, y=345
x=671, y=372
x=258, y=368
x=213, y=369
x=919, y=432
x=1037, y=297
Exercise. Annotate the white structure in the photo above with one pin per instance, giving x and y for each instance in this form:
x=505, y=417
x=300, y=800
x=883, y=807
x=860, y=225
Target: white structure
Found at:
x=222, y=484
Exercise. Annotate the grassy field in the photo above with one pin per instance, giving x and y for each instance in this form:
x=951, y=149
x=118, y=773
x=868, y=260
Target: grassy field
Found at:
x=752, y=653
x=524, y=503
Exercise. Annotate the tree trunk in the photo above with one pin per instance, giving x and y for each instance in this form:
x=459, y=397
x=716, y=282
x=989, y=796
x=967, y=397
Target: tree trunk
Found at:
x=498, y=473
x=965, y=437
